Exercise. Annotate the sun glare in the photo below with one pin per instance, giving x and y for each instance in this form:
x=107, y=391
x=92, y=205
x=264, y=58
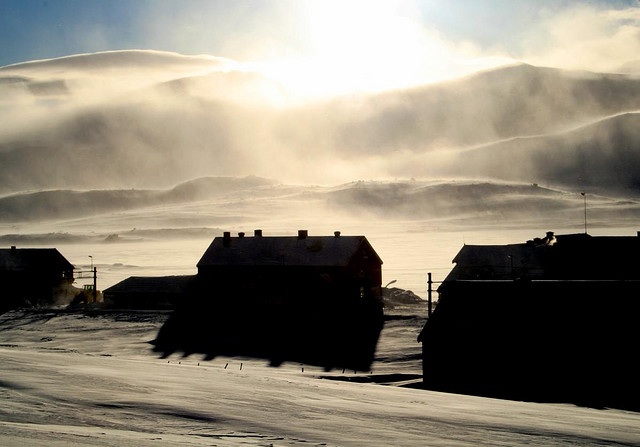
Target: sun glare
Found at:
x=364, y=46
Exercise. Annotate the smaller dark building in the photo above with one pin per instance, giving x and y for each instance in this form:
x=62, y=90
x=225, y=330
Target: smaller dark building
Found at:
x=148, y=292
x=32, y=276
x=552, y=319
x=309, y=299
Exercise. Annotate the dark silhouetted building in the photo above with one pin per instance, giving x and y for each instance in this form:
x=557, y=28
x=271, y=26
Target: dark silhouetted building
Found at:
x=32, y=276
x=309, y=299
x=148, y=292
x=552, y=319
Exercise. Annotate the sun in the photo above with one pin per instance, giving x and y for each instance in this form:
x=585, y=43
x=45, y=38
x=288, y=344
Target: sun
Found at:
x=361, y=46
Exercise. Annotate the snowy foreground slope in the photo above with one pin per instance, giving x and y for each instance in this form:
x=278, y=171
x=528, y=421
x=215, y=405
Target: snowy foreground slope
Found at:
x=92, y=380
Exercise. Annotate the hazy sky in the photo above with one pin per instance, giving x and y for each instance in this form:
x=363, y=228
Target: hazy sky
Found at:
x=373, y=44
x=267, y=55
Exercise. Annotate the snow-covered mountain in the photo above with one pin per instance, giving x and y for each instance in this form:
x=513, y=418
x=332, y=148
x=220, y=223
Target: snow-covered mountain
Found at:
x=218, y=201
x=139, y=119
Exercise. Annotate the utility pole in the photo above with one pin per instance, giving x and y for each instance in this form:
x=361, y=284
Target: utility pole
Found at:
x=584, y=195
x=95, y=284
x=95, y=280
x=429, y=291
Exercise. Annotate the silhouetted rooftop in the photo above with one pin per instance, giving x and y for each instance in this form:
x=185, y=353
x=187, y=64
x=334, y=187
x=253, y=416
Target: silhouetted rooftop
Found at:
x=28, y=259
x=301, y=250
x=571, y=256
x=151, y=284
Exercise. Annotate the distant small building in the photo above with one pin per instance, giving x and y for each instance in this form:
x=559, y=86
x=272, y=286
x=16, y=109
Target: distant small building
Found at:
x=32, y=276
x=552, y=319
x=313, y=299
x=149, y=293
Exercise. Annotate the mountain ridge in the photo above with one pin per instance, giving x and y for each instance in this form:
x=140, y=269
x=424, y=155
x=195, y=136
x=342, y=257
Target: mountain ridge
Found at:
x=174, y=130
x=444, y=200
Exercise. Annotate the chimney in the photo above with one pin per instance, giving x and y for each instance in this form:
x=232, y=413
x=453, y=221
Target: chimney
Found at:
x=257, y=233
x=13, y=248
x=336, y=233
x=241, y=234
x=302, y=234
x=226, y=239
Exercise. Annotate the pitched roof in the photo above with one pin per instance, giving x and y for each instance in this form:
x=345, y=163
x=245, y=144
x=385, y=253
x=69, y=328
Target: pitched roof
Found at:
x=30, y=259
x=572, y=256
x=151, y=285
x=301, y=250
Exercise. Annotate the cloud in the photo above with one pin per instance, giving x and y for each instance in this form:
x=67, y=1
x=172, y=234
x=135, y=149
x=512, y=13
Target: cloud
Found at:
x=37, y=94
x=585, y=37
